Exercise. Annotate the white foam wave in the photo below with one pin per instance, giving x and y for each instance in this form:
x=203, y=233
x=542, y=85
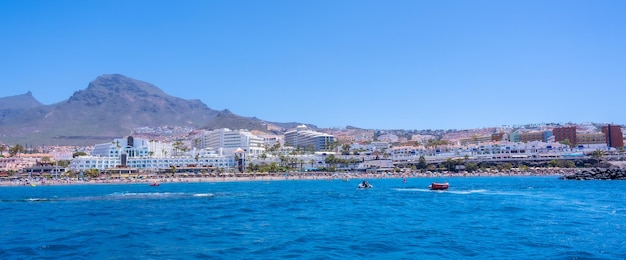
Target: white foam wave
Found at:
x=203, y=195
x=466, y=191
x=145, y=194
x=446, y=191
x=415, y=189
x=37, y=199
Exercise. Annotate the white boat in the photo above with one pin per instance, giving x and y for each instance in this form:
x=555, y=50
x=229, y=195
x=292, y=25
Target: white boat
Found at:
x=365, y=185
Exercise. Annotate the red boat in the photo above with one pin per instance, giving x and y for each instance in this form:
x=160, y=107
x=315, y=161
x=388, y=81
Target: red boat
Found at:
x=439, y=186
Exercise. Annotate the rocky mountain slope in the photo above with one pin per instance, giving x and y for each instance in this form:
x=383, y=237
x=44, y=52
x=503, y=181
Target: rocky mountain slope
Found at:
x=110, y=107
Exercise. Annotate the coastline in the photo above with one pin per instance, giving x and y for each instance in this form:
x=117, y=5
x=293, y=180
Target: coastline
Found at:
x=283, y=177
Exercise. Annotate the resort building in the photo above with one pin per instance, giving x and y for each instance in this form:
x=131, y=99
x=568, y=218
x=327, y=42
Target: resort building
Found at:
x=547, y=136
x=132, y=147
x=271, y=140
x=565, y=133
x=84, y=163
x=590, y=138
x=303, y=137
x=531, y=136
x=227, y=141
x=403, y=151
x=16, y=163
x=614, y=136
x=378, y=146
x=140, y=153
x=497, y=137
x=475, y=140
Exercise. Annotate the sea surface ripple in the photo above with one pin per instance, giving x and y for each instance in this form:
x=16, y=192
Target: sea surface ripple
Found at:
x=479, y=217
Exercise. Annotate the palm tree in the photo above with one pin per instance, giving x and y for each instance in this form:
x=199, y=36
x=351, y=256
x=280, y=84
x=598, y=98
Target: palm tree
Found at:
x=597, y=155
x=385, y=154
x=310, y=148
x=178, y=145
x=196, y=142
x=3, y=148
x=345, y=148
x=422, y=164
x=567, y=142
x=449, y=164
x=331, y=145
x=330, y=160
x=16, y=150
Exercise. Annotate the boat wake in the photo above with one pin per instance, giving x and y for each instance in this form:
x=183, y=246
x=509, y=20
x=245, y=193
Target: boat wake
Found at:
x=157, y=195
x=471, y=191
x=204, y=195
x=29, y=200
x=119, y=196
x=462, y=192
x=467, y=191
x=146, y=195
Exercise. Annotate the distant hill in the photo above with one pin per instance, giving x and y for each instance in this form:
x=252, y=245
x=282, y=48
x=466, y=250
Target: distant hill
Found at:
x=110, y=107
x=16, y=104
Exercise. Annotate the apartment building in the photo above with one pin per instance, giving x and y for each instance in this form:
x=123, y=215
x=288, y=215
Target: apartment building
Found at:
x=132, y=147
x=614, y=136
x=531, y=136
x=565, y=133
x=590, y=138
x=303, y=137
x=227, y=141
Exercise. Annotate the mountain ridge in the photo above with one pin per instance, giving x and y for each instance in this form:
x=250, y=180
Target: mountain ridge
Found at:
x=111, y=106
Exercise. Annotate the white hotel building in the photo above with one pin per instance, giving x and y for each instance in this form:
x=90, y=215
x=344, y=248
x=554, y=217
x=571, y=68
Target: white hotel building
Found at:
x=227, y=141
x=303, y=137
x=143, y=154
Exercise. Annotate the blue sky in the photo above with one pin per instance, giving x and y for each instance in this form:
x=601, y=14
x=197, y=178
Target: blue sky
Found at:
x=371, y=64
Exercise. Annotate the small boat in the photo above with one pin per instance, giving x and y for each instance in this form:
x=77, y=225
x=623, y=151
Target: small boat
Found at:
x=439, y=186
x=154, y=184
x=365, y=185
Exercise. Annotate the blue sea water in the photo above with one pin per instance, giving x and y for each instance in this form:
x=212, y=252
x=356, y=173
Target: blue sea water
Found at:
x=477, y=218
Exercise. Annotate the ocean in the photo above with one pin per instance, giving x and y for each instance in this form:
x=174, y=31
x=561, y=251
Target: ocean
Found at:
x=477, y=218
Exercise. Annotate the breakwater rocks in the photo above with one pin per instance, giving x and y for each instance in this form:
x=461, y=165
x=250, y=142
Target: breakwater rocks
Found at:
x=597, y=174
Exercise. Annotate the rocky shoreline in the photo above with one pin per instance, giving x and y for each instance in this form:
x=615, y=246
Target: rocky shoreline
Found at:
x=597, y=174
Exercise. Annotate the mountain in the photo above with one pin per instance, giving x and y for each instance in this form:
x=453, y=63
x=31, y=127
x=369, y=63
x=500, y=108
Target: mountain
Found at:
x=16, y=104
x=110, y=107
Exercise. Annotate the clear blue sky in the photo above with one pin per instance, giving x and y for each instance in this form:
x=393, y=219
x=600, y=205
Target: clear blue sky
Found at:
x=372, y=64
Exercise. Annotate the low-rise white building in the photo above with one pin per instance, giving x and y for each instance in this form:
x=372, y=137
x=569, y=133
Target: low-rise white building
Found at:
x=103, y=163
x=143, y=154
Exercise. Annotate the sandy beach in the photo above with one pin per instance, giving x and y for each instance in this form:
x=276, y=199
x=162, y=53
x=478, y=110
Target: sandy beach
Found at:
x=279, y=177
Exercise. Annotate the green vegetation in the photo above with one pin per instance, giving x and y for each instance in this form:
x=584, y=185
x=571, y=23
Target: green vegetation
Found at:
x=561, y=163
x=78, y=154
x=422, y=163
x=16, y=150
